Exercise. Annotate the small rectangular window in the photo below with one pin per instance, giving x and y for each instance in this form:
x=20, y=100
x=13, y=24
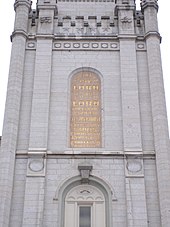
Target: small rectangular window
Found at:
x=85, y=216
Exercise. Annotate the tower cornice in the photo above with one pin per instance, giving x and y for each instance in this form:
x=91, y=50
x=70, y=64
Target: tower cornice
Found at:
x=19, y=33
x=26, y=3
x=149, y=3
x=153, y=33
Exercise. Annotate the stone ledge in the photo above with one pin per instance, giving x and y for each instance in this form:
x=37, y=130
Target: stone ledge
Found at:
x=100, y=154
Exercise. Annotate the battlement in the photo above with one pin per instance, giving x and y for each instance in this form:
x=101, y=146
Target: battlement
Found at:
x=85, y=25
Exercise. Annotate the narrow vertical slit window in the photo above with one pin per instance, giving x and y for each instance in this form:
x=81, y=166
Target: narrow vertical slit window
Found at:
x=85, y=120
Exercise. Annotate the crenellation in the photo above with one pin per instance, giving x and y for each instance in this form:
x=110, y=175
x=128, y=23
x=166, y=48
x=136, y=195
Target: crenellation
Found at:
x=88, y=26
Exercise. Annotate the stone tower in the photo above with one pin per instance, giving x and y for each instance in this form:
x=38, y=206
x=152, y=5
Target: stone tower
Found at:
x=85, y=139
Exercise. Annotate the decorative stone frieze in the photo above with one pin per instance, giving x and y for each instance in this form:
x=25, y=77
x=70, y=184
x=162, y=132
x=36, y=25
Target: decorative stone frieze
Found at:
x=86, y=45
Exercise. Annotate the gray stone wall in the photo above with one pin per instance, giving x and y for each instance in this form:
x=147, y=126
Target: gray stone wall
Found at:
x=64, y=63
x=86, y=8
x=36, y=161
x=59, y=170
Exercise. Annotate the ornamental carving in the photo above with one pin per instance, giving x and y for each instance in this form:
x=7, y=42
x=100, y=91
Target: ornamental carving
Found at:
x=45, y=20
x=125, y=20
x=85, y=193
x=85, y=172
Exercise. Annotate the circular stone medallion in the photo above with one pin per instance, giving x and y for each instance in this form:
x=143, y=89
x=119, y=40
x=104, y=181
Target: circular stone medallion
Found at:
x=85, y=45
x=113, y=45
x=141, y=46
x=76, y=45
x=57, y=45
x=104, y=45
x=67, y=45
x=134, y=166
x=31, y=45
x=36, y=165
x=95, y=45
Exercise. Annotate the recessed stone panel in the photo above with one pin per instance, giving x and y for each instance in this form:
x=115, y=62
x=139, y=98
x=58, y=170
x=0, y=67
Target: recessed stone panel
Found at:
x=85, y=122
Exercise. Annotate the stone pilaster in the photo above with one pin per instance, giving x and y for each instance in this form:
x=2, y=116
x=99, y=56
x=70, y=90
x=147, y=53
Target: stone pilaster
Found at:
x=160, y=125
x=130, y=99
x=129, y=81
x=135, y=191
x=132, y=132
x=134, y=175
x=41, y=96
x=33, y=212
x=38, y=141
x=42, y=77
x=11, y=119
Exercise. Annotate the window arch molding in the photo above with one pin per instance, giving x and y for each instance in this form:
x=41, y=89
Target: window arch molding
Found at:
x=99, y=136
x=94, y=181
x=84, y=69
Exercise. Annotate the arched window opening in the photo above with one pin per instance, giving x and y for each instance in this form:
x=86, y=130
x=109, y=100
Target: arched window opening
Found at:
x=85, y=121
x=85, y=207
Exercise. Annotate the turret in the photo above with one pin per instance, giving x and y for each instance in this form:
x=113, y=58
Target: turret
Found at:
x=160, y=125
x=22, y=8
x=13, y=102
x=150, y=9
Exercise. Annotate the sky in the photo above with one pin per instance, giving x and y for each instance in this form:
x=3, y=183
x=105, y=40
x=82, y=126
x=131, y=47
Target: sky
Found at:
x=6, y=27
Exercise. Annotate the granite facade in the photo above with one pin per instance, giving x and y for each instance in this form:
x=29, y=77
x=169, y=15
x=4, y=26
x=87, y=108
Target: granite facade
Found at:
x=37, y=164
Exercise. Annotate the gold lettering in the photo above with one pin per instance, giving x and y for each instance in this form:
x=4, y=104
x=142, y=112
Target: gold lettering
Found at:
x=85, y=113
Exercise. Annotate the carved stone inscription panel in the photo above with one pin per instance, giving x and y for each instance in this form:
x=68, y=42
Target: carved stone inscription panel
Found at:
x=85, y=110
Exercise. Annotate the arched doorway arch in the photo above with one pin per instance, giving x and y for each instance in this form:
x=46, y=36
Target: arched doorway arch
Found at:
x=94, y=182
x=85, y=207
